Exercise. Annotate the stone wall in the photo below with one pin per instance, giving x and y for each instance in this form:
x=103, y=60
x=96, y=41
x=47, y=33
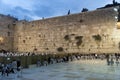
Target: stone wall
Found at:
x=87, y=32
x=6, y=32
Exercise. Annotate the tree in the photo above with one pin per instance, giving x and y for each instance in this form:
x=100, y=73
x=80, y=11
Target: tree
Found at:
x=60, y=49
x=84, y=10
x=97, y=37
x=79, y=40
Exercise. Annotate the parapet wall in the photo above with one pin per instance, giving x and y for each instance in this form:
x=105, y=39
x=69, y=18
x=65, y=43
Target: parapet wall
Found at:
x=87, y=32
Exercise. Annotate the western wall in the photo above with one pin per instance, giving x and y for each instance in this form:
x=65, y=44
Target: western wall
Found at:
x=7, y=32
x=87, y=32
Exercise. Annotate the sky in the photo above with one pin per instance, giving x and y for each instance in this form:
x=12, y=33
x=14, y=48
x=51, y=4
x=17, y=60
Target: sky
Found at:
x=37, y=9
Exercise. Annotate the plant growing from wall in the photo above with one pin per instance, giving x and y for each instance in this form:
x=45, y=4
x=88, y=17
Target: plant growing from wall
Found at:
x=78, y=37
x=67, y=37
x=79, y=40
x=97, y=37
x=60, y=49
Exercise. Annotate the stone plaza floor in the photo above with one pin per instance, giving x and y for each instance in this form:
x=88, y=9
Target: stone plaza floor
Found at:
x=76, y=70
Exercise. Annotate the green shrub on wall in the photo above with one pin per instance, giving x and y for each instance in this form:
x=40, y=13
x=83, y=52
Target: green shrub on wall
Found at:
x=79, y=40
x=78, y=37
x=60, y=49
x=67, y=37
x=97, y=37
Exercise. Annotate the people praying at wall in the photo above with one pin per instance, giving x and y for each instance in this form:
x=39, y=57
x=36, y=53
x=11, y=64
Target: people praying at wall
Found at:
x=111, y=60
x=108, y=58
x=45, y=62
x=5, y=70
x=18, y=65
x=117, y=61
x=38, y=63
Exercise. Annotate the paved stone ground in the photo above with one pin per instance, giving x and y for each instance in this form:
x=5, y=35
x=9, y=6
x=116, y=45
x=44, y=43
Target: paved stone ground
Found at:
x=77, y=70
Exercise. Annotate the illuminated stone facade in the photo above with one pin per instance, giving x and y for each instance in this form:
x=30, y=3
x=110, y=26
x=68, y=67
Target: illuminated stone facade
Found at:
x=7, y=32
x=86, y=32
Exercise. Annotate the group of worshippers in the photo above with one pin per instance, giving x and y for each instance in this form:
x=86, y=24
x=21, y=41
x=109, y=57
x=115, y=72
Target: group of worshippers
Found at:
x=110, y=58
x=12, y=67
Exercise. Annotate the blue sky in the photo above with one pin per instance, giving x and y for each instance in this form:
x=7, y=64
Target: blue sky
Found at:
x=36, y=9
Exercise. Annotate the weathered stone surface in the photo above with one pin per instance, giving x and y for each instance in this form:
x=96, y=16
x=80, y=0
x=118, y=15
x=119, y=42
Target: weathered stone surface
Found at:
x=7, y=32
x=47, y=35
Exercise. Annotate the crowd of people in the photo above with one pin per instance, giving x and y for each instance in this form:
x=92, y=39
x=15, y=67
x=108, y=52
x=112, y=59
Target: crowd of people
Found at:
x=7, y=54
x=15, y=65
x=11, y=67
x=110, y=58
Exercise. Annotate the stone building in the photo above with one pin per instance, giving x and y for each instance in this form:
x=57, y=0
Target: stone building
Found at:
x=7, y=32
x=95, y=31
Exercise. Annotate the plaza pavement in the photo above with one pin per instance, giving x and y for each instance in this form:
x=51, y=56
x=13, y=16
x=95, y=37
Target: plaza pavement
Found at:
x=76, y=70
